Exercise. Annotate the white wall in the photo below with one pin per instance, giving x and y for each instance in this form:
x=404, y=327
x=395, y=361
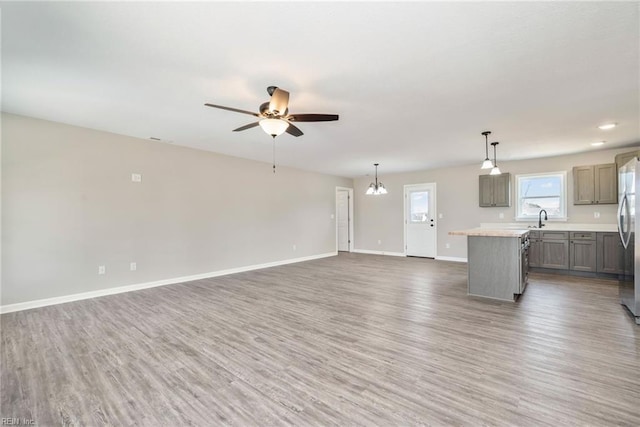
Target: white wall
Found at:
x=381, y=217
x=69, y=205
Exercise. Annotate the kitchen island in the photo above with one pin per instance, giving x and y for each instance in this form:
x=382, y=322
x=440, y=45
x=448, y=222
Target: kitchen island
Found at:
x=498, y=262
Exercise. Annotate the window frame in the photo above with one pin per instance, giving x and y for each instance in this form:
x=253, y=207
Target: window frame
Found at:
x=563, y=196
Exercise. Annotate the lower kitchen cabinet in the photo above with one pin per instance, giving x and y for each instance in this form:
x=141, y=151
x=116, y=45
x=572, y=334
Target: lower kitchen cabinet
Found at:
x=554, y=254
x=549, y=249
x=585, y=251
x=535, y=246
x=610, y=253
x=582, y=251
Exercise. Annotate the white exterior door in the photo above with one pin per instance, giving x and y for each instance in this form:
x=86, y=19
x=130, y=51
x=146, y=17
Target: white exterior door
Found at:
x=343, y=220
x=420, y=220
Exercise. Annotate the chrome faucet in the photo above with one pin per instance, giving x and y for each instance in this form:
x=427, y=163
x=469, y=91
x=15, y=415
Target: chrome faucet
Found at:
x=540, y=224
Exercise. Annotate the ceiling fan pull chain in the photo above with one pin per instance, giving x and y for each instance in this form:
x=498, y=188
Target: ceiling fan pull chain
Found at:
x=274, y=154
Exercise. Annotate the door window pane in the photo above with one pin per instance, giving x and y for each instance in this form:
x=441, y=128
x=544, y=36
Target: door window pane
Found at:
x=419, y=206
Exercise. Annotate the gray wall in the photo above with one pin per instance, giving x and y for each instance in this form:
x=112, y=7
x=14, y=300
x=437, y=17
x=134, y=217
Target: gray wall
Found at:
x=381, y=217
x=69, y=205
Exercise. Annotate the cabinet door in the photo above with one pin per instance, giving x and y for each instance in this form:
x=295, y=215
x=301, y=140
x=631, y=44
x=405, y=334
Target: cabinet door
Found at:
x=502, y=190
x=534, y=252
x=582, y=255
x=609, y=253
x=606, y=180
x=623, y=158
x=583, y=189
x=486, y=191
x=555, y=254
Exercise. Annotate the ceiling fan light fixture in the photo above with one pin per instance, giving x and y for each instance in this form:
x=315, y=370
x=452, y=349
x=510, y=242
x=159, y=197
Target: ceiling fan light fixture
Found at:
x=274, y=127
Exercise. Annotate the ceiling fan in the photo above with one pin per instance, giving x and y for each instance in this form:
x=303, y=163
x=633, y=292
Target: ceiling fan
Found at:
x=274, y=115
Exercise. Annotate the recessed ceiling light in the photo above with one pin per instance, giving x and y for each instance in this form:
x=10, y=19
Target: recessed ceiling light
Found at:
x=596, y=144
x=607, y=126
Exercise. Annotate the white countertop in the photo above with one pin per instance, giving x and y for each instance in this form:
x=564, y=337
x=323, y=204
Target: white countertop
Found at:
x=490, y=232
x=560, y=226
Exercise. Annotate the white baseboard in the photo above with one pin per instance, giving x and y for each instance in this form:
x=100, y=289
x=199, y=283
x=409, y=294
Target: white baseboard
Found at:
x=366, y=251
x=451, y=258
x=9, y=308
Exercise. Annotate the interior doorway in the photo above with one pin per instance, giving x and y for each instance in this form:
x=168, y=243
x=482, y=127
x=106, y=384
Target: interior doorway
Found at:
x=420, y=220
x=344, y=219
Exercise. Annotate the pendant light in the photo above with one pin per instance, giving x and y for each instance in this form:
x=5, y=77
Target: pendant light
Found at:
x=487, y=164
x=496, y=169
x=377, y=187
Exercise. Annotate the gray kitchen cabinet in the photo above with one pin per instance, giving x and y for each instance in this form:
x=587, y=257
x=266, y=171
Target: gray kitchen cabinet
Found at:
x=595, y=184
x=497, y=266
x=495, y=190
x=583, y=188
x=554, y=250
x=582, y=251
x=623, y=158
x=610, y=253
x=606, y=183
x=535, y=246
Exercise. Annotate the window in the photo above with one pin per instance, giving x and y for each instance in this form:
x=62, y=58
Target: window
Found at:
x=419, y=206
x=541, y=191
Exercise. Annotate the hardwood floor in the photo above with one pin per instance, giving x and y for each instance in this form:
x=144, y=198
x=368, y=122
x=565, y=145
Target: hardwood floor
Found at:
x=348, y=340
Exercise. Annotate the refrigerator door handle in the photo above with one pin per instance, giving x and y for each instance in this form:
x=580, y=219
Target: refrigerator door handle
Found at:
x=624, y=221
x=620, y=225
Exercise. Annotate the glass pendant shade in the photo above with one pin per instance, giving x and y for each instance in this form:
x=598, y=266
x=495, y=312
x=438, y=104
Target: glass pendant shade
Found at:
x=495, y=171
x=487, y=164
x=274, y=127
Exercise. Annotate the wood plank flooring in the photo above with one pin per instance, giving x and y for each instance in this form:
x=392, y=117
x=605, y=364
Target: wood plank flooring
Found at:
x=348, y=340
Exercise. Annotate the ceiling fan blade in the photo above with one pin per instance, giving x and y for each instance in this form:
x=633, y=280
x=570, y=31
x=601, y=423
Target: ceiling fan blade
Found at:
x=233, y=109
x=245, y=127
x=279, y=101
x=312, y=117
x=292, y=130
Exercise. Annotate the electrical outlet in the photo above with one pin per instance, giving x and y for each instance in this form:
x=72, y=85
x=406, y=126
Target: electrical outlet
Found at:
x=501, y=215
x=379, y=242
x=136, y=177
x=294, y=247
x=439, y=216
x=596, y=214
x=447, y=245
x=133, y=266
x=333, y=216
x=102, y=269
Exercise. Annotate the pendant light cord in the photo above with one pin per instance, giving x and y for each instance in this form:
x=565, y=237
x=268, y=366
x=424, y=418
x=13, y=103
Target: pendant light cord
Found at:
x=274, y=154
x=486, y=146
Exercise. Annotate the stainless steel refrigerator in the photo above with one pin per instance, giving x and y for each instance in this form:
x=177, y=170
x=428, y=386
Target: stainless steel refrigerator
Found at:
x=629, y=283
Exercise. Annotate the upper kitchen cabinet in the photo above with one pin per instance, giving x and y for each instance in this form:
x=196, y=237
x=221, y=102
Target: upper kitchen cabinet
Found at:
x=623, y=158
x=595, y=184
x=495, y=190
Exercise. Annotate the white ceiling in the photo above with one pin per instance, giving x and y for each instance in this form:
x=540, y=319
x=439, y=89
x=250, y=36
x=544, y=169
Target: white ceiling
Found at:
x=414, y=84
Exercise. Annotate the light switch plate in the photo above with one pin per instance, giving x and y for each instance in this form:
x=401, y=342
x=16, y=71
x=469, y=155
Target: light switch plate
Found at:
x=136, y=177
